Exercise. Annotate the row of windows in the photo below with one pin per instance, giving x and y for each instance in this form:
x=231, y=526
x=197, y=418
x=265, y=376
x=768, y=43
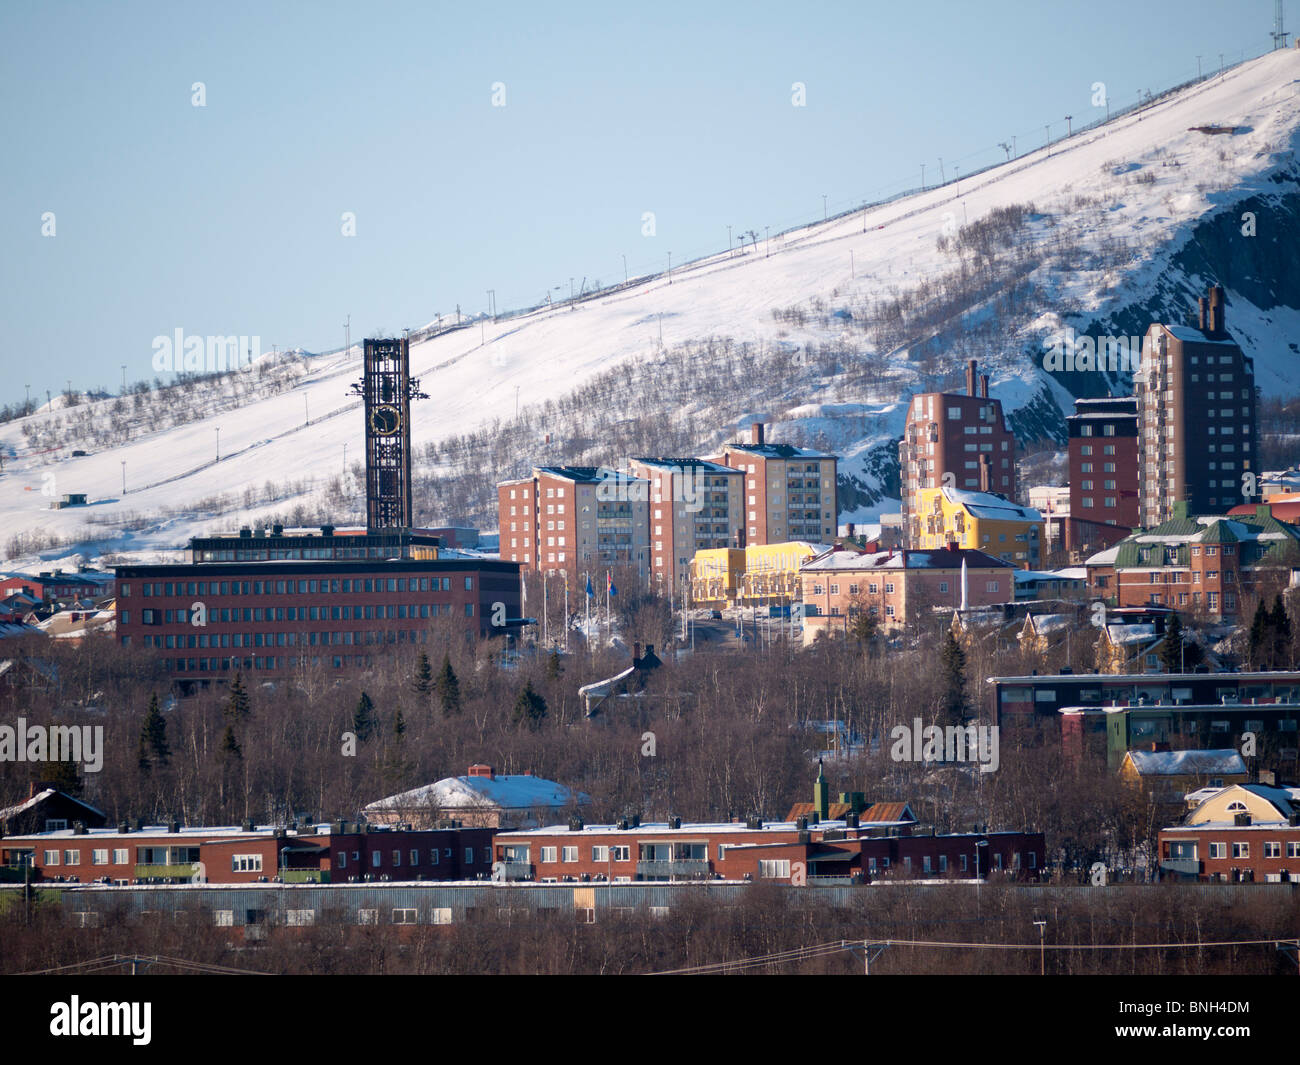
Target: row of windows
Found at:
x=413, y=857
x=331, y=638
x=225, y=615
x=348, y=586
x=272, y=662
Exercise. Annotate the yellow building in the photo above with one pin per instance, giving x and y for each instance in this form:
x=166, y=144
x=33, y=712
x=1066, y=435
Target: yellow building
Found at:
x=761, y=575
x=980, y=521
x=715, y=575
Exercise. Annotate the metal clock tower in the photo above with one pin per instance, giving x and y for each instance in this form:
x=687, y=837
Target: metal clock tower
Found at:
x=387, y=388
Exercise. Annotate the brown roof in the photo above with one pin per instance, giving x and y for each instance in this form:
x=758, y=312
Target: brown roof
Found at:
x=877, y=811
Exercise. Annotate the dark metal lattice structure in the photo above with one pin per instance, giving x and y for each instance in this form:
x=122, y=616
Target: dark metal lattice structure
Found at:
x=387, y=388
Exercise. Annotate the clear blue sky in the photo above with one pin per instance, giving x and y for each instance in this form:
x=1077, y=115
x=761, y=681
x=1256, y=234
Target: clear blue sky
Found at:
x=225, y=219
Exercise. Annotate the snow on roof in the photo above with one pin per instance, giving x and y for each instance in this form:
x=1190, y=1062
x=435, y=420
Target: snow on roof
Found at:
x=1130, y=633
x=988, y=505
x=1045, y=623
x=505, y=791
x=13, y=811
x=1104, y=558
x=1186, y=763
x=1194, y=335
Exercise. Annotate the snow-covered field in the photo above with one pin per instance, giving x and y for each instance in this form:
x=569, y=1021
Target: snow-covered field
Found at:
x=475, y=375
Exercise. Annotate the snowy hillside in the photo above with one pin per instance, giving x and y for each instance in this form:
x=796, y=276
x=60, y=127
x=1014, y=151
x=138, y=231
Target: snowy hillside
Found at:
x=834, y=325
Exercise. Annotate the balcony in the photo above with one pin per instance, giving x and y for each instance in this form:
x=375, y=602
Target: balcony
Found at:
x=665, y=870
x=1181, y=866
x=181, y=871
x=517, y=870
x=304, y=876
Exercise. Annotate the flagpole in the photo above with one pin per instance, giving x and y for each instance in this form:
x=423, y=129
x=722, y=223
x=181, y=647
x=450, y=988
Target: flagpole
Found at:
x=545, y=640
x=566, y=611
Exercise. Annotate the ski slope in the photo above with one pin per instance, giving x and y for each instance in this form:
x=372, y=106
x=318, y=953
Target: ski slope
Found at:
x=477, y=374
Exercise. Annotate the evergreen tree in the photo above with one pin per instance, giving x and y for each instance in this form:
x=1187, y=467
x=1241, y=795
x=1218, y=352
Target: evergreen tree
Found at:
x=865, y=627
x=1281, y=626
x=530, y=708
x=953, y=670
x=153, y=738
x=448, y=688
x=553, y=667
x=230, y=750
x=64, y=776
x=423, y=683
x=238, y=704
x=1172, y=650
x=1260, y=643
x=363, y=719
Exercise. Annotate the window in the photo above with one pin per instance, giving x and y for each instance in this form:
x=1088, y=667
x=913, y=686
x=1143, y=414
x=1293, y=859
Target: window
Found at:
x=569, y=854
x=621, y=853
x=120, y=856
x=1272, y=850
x=774, y=868
x=601, y=854
x=72, y=857
x=223, y=918
x=404, y=915
x=548, y=854
x=299, y=918
x=99, y=857
x=245, y=863
x=1218, y=850
x=1241, y=850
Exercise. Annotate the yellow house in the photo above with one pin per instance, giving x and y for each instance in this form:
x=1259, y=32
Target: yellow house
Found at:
x=1264, y=804
x=1170, y=775
x=981, y=521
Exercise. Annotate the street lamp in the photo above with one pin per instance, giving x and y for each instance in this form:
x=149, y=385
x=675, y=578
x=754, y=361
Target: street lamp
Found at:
x=1042, y=948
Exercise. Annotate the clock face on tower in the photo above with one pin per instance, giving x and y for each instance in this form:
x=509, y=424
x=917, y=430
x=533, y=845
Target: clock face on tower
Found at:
x=386, y=420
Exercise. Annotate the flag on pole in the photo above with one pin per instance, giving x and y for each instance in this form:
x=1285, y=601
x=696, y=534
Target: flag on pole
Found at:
x=609, y=578
x=590, y=593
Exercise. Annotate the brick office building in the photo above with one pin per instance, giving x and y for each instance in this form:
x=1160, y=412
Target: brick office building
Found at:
x=791, y=493
x=1196, y=412
x=965, y=435
x=1103, y=457
x=274, y=602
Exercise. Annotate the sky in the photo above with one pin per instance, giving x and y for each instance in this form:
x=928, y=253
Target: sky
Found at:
x=273, y=170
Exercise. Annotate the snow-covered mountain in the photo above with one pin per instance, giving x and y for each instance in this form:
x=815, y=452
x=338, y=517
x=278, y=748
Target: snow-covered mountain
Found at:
x=824, y=331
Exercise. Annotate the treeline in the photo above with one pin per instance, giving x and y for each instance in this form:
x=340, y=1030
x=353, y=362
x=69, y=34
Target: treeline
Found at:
x=702, y=931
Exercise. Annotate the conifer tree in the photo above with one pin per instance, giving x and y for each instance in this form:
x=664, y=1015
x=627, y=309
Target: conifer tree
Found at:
x=363, y=718
x=423, y=683
x=153, y=737
x=238, y=704
x=448, y=688
x=953, y=670
x=530, y=708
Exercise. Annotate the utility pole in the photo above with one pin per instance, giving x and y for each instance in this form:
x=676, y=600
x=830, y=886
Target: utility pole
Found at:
x=625, y=268
x=124, y=476
x=824, y=209
x=767, y=240
x=218, y=443
x=1069, y=119
x=922, y=177
x=670, y=268
x=1042, y=947
x=124, y=379
x=728, y=238
x=347, y=335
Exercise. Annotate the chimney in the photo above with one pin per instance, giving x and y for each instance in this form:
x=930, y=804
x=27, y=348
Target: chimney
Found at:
x=970, y=378
x=636, y=652
x=1202, y=303
x=1217, y=324
x=985, y=479
x=756, y=433
x=952, y=545
x=481, y=770
x=851, y=528
x=984, y=386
